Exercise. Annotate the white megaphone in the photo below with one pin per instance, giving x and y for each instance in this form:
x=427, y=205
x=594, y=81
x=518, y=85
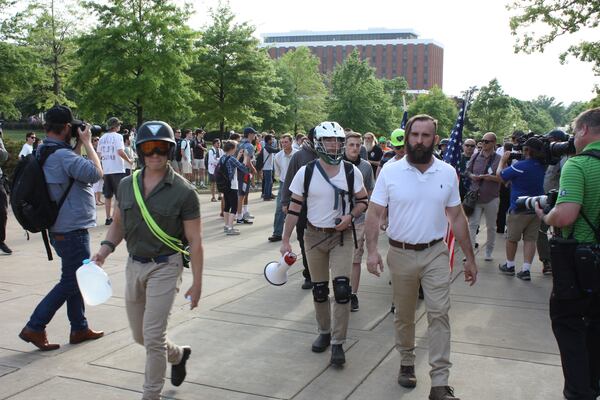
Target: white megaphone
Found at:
x=276, y=271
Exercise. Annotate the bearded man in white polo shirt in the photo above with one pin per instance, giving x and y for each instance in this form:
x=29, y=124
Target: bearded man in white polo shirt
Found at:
x=422, y=195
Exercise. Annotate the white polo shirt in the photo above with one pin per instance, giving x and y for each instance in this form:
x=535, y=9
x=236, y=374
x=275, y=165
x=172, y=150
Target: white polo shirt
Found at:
x=417, y=201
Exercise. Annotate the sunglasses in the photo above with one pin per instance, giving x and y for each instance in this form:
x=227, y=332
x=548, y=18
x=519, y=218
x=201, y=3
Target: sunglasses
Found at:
x=154, y=147
x=469, y=145
x=484, y=141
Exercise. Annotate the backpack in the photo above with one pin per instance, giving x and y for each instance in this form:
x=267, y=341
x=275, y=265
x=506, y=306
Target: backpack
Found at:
x=222, y=176
x=30, y=201
x=178, y=150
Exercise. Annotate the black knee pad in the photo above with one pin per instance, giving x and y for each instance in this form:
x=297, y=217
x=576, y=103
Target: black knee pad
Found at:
x=342, y=289
x=320, y=292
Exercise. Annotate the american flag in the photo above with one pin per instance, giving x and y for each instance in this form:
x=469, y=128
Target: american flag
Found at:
x=454, y=150
x=452, y=157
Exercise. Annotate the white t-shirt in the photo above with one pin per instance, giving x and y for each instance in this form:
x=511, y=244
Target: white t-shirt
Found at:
x=268, y=160
x=321, y=196
x=26, y=150
x=129, y=153
x=417, y=202
x=213, y=159
x=108, y=146
x=187, y=150
x=281, y=163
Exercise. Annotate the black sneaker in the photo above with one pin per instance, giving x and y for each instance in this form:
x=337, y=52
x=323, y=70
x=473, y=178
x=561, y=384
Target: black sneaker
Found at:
x=353, y=302
x=274, y=238
x=178, y=371
x=524, y=275
x=547, y=268
x=5, y=248
x=321, y=343
x=244, y=221
x=108, y=221
x=307, y=284
x=505, y=270
x=338, y=358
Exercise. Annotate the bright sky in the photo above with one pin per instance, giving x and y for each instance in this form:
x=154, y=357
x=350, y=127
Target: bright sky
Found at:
x=475, y=34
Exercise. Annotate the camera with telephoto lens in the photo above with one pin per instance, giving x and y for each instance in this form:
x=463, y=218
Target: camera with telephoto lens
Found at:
x=546, y=202
x=553, y=151
x=95, y=130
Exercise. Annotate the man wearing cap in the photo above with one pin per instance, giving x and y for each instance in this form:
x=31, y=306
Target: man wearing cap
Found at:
x=526, y=178
x=111, y=149
x=67, y=172
x=397, y=142
x=245, y=148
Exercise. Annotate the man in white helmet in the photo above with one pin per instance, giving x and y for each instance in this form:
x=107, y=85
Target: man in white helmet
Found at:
x=334, y=194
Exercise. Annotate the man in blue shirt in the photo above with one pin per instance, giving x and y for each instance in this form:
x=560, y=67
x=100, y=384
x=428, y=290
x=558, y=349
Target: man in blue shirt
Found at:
x=67, y=172
x=527, y=179
x=245, y=148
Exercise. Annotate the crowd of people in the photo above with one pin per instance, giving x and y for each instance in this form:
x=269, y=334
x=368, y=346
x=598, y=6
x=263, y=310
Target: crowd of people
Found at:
x=338, y=189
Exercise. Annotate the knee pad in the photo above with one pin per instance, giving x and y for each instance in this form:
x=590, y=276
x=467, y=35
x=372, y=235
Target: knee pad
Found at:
x=320, y=292
x=342, y=289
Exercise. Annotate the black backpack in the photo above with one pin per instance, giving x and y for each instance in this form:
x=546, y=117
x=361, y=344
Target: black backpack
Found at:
x=29, y=198
x=222, y=176
x=178, y=149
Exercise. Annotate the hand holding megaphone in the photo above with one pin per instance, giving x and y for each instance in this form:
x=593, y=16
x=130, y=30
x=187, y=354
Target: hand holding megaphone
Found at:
x=276, y=271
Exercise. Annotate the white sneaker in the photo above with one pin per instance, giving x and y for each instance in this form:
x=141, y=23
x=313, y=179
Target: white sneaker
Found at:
x=232, y=232
x=488, y=257
x=247, y=215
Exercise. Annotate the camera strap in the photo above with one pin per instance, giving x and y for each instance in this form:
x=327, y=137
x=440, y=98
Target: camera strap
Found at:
x=596, y=230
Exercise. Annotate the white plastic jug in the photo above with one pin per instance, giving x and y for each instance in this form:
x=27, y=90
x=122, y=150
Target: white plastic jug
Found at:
x=94, y=283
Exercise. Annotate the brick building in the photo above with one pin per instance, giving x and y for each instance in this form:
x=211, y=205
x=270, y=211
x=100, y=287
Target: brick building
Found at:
x=392, y=52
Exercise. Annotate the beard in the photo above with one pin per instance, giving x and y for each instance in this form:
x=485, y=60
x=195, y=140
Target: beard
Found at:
x=369, y=146
x=419, y=154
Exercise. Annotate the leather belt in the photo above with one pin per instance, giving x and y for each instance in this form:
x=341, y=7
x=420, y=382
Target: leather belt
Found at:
x=146, y=260
x=326, y=230
x=415, y=247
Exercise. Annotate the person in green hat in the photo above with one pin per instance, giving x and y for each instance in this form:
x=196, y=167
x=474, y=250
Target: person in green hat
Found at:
x=397, y=142
x=383, y=144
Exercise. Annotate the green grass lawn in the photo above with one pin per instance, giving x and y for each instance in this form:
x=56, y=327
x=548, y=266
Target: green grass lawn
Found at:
x=19, y=136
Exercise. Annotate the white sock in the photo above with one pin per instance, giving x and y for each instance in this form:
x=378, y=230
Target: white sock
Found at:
x=245, y=209
x=510, y=264
x=238, y=216
x=526, y=267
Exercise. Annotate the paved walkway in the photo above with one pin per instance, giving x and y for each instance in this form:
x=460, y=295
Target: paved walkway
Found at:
x=251, y=340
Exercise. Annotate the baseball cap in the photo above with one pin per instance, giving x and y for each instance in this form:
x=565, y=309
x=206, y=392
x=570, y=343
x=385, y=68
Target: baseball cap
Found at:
x=248, y=130
x=381, y=139
x=534, y=143
x=558, y=135
x=112, y=122
x=60, y=115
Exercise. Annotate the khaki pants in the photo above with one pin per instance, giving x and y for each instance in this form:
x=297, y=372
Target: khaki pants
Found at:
x=324, y=252
x=490, y=211
x=149, y=295
x=430, y=268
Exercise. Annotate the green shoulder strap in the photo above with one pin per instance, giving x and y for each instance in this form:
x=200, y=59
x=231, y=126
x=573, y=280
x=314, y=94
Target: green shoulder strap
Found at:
x=168, y=240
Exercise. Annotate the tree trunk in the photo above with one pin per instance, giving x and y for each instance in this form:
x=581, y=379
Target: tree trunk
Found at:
x=139, y=109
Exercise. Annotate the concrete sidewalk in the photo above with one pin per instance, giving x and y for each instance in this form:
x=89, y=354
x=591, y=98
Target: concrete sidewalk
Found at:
x=251, y=340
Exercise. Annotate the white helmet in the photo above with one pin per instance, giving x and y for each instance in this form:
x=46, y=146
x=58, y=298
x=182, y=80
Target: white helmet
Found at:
x=329, y=129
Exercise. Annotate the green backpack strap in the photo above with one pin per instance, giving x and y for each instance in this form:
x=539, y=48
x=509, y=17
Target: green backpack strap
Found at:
x=168, y=240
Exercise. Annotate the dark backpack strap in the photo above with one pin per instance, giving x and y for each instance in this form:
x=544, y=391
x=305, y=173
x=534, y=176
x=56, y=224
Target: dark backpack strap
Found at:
x=349, y=170
x=596, y=230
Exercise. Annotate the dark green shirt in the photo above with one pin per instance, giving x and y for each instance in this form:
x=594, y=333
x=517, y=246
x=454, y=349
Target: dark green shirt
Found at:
x=170, y=203
x=580, y=183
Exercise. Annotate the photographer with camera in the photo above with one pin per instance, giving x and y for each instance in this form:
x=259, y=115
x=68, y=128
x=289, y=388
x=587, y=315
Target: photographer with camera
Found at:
x=575, y=299
x=526, y=178
x=69, y=176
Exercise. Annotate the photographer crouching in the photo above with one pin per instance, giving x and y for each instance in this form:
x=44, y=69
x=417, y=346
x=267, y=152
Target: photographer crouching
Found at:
x=575, y=255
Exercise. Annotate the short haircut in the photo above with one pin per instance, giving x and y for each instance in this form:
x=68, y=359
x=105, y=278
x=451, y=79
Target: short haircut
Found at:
x=235, y=136
x=287, y=136
x=185, y=132
x=268, y=138
x=29, y=134
x=589, y=118
x=353, y=135
x=299, y=136
x=229, y=145
x=198, y=130
x=420, y=117
x=216, y=140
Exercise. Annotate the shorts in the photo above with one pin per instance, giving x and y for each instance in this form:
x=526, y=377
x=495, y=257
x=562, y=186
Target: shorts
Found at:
x=211, y=178
x=522, y=225
x=176, y=165
x=243, y=187
x=111, y=184
x=186, y=167
x=360, y=240
x=97, y=187
x=198, y=163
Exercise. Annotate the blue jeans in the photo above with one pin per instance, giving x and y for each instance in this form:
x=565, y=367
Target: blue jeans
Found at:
x=72, y=247
x=267, y=184
x=279, y=215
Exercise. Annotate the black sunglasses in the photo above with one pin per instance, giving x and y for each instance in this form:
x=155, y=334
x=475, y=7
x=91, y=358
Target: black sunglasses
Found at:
x=484, y=141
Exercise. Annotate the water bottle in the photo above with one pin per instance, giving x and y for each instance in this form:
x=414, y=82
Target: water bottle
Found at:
x=94, y=283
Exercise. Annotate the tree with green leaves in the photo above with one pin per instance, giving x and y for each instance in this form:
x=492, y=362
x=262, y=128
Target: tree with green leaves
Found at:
x=559, y=18
x=16, y=71
x=493, y=111
x=134, y=62
x=396, y=88
x=304, y=92
x=358, y=99
x=235, y=78
x=538, y=119
x=439, y=106
x=555, y=109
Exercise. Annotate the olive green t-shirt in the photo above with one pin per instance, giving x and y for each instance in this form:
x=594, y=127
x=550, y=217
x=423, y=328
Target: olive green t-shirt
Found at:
x=580, y=183
x=171, y=202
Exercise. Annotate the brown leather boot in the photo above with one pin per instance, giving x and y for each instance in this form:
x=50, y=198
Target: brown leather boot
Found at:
x=39, y=339
x=406, y=376
x=81, y=336
x=442, y=393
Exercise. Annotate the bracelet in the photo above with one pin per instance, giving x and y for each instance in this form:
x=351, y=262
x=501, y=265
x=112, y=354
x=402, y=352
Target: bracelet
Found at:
x=109, y=244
